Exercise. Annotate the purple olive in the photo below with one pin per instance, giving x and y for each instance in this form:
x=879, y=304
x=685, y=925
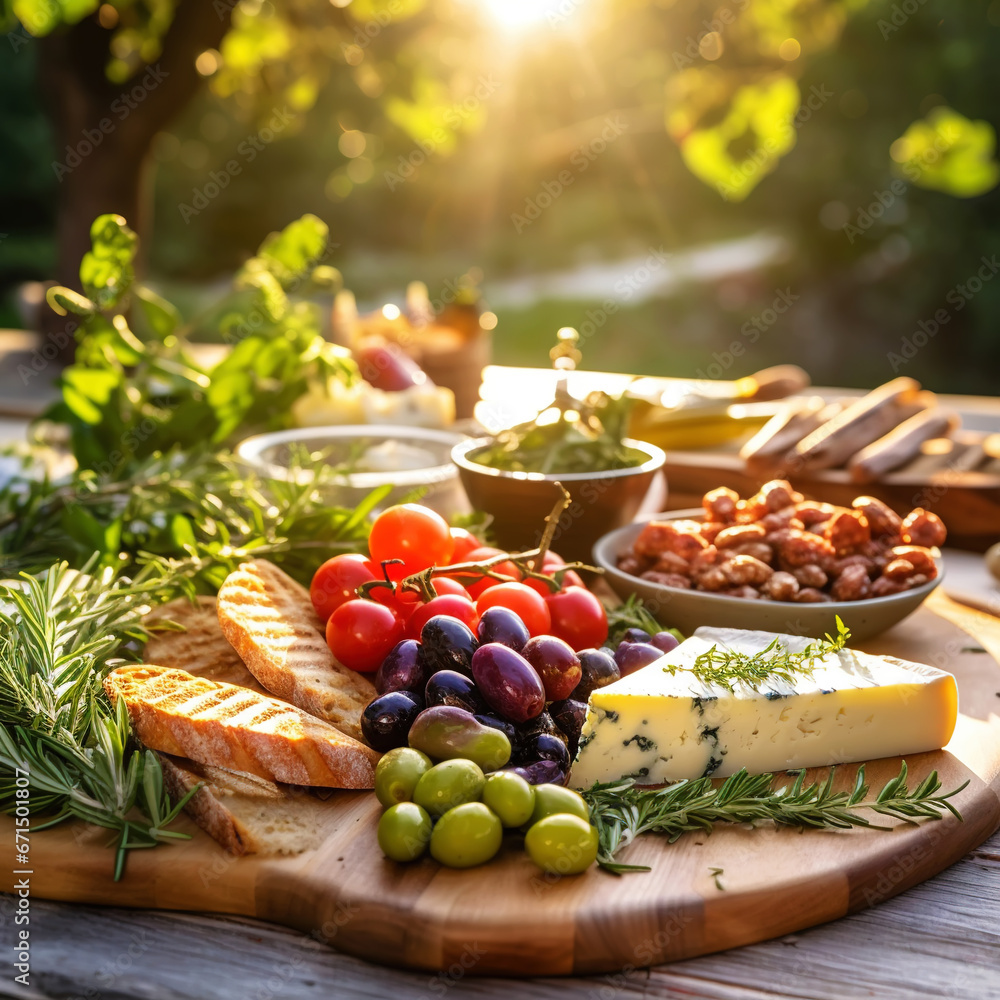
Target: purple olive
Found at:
x=386, y=721
x=542, y=746
x=569, y=715
x=541, y=772
x=508, y=682
x=630, y=656
x=402, y=669
x=447, y=644
x=665, y=641
x=636, y=635
x=449, y=687
x=499, y=624
x=599, y=669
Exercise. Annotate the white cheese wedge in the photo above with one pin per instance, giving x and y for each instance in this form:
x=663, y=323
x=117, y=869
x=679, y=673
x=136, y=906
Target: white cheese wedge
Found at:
x=659, y=726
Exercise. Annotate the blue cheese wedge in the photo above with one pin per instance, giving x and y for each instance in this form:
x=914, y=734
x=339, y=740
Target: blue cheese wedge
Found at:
x=662, y=723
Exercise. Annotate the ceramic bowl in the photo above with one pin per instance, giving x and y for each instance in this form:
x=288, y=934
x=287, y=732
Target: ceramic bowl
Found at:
x=687, y=609
x=519, y=501
x=399, y=448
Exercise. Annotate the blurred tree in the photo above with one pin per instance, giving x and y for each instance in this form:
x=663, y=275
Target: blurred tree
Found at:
x=734, y=83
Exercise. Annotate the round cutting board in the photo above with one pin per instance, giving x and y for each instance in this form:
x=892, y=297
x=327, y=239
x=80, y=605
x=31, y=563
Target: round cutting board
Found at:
x=506, y=917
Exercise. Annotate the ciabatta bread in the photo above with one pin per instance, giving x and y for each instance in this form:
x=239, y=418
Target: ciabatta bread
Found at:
x=244, y=813
x=201, y=648
x=233, y=727
x=270, y=621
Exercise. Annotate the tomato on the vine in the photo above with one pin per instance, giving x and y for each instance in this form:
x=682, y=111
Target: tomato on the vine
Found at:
x=578, y=617
x=448, y=604
x=442, y=585
x=550, y=563
x=337, y=582
x=484, y=552
x=526, y=603
x=465, y=542
x=361, y=633
x=401, y=602
x=417, y=535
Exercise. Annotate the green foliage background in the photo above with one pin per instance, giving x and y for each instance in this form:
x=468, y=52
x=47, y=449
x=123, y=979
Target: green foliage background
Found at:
x=556, y=86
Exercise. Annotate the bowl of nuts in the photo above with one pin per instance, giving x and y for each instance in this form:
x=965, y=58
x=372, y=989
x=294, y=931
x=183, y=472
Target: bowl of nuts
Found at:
x=778, y=562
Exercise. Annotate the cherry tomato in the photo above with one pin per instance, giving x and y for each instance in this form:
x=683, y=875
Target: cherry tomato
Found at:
x=417, y=535
x=447, y=604
x=361, y=634
x=578, y=617
x=446, y=585
x=526, y=603
x=550, y=563
x=481, y=555
x=401, y=602
x=465, y=542
x=337, y=581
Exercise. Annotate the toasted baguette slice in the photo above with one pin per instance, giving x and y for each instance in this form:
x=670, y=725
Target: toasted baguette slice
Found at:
x=233, y=727
x=201, y=649
x=244, y=813
x=269, y=620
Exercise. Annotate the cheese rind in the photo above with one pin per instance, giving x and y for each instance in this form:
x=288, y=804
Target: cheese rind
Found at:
x=660, y=726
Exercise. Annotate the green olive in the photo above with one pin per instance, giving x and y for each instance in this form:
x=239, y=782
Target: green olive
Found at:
x=551, y=799
x=510, y=797
x=449, y=784
x=397, y=774
x=561, y=844
x=467, y=835
x=404, y=831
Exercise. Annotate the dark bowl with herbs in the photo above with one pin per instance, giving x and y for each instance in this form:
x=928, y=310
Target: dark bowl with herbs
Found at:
x=578, y=443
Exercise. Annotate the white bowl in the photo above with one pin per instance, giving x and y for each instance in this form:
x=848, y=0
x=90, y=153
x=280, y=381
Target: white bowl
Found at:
x=687, y=609
x=271, y=454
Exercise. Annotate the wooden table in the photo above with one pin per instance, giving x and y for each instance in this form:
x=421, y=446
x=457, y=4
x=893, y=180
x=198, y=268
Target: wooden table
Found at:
x=940, y=939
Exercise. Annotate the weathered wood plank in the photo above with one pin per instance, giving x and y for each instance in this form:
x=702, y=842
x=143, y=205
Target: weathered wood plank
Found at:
x=939, y=939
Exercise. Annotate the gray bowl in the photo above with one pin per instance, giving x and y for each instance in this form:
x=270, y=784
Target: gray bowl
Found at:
x=687, y=609
x=270, y=455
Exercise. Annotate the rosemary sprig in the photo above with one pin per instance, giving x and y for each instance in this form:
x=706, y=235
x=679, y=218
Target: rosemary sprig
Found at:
x=621, y=811
x=776, y=662
x=60, y=634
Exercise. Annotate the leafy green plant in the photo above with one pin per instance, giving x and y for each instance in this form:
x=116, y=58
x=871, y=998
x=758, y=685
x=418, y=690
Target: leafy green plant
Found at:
x=135, y=390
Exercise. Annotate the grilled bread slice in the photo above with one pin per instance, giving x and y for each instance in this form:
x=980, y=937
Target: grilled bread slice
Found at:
x=244, y=813
x=269, y=620
x=201, y=649
x=233, y=727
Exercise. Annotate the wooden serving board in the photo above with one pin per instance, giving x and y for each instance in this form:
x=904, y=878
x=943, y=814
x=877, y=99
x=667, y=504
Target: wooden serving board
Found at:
x=507, y=918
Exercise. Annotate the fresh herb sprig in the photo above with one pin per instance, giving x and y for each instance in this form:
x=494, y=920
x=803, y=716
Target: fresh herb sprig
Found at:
x=60, y=634
x=202, y=507
x=776, y=662
x=621, y=811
